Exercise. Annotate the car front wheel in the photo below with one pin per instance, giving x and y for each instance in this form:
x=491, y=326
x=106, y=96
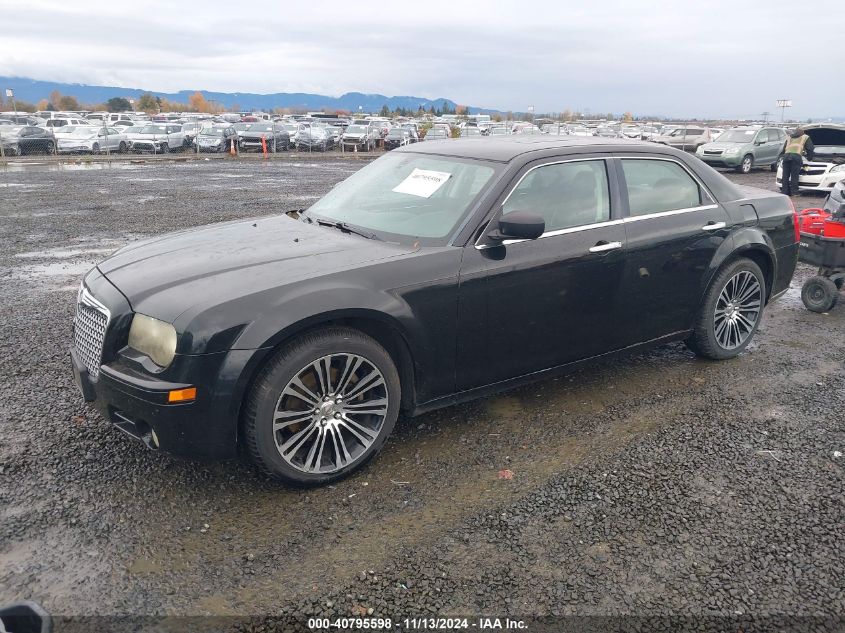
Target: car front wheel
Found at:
x=322, y=407
x=731, y=311
x=746, y=165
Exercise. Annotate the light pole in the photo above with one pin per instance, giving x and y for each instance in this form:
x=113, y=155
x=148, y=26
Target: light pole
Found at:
x=783, y=104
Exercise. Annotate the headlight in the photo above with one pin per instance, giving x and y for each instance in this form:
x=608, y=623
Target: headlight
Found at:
x=731, y=151
x=154, y=338
x=838, y=168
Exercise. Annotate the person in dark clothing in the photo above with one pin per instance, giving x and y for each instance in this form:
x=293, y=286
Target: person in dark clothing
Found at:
x=797, y=145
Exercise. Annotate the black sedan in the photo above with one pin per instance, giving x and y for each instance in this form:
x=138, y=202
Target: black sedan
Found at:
x=28, y=139
x=275, y=137
x=435, y=274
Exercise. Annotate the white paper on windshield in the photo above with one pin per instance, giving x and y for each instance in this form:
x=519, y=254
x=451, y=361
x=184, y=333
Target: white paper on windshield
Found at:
x=422, y=183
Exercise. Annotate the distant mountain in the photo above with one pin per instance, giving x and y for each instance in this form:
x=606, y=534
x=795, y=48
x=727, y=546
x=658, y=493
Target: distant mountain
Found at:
x=33, y=90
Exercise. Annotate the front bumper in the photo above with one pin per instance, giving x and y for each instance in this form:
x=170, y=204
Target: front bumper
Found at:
x=721, y=160
x=74, y=149
x=137, y=405
x=823, y=183
x=136, y=401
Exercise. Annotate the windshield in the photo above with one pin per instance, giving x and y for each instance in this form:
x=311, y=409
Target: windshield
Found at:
x=407, y=196
x=154, y=129
x=212, y=132
x=261, y=127
x=356, y=129
x=395, y=133
x=241, y=127
x=737, y=136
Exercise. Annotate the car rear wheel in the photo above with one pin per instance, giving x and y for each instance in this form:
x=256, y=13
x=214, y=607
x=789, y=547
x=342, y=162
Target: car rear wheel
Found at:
x=746, y=165
x=731, y=311
x=774, y=166
x=95, y=148
x=165, y=148
x=322, y=407
x=121, y=149
x=819, y=294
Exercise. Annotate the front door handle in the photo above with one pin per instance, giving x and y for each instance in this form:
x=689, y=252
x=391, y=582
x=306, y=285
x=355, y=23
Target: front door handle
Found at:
x=713, y=226
x=603, y=246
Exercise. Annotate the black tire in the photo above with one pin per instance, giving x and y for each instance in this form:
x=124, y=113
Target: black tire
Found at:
x=819, y=294
x=287, y=363
x=165, y=148
x=50, y=147
x=703, y=340
x=746, y=165
x=774, y=165
x=121, y=149
x=95, y=148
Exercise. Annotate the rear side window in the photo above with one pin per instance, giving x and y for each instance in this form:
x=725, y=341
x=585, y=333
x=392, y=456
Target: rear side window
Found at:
x=656, y=186
x=565, y=194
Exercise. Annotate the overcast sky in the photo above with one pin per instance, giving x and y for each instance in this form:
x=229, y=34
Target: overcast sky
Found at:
x=705, y=58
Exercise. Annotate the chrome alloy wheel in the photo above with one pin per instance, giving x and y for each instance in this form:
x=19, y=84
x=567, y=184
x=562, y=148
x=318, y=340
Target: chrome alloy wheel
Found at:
x=737, y=310
x=330, y=413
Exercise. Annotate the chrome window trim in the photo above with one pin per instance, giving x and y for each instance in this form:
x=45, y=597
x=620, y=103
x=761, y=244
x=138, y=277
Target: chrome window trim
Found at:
x=625, y=220
x=660, y=214
x=573, y=229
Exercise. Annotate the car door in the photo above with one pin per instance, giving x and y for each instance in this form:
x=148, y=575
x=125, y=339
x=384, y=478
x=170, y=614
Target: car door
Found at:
x=774, y=145
x=555, y=299
x=761, y=147
x=673, y=227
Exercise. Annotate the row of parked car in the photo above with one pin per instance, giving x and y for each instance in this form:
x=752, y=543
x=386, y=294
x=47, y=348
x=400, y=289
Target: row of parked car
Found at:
x=741, y=148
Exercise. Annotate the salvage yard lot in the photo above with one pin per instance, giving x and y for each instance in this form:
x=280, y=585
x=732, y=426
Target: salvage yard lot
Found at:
x=660, y=484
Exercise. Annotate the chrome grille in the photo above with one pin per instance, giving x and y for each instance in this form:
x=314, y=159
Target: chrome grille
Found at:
x=89, y=331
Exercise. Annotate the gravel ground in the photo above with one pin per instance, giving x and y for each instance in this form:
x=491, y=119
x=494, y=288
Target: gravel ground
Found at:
x=656, y=486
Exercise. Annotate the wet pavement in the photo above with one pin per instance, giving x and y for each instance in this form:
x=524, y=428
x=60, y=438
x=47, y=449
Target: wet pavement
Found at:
x=659, y=484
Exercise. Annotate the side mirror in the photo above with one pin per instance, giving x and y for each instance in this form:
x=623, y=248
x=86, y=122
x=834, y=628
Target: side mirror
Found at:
x=519, y=225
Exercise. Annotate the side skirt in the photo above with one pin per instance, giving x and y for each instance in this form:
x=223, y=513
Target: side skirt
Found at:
x=512, y=383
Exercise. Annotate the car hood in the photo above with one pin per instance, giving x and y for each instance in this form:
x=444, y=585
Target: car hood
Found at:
x=822, y=134
x=164, y=276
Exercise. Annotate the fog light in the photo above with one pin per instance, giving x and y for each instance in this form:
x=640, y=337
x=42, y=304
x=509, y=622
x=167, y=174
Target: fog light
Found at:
x=154, y=438
x=182, y=395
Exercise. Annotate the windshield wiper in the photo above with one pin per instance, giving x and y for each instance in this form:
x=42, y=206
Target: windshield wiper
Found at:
x=347, y=228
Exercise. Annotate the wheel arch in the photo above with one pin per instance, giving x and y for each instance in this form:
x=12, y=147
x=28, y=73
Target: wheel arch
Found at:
x=750, y=243
x=381, y=327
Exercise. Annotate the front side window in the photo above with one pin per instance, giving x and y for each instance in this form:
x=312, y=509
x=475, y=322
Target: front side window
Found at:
x=762, y=137
x=656, y=186
x=564, y=194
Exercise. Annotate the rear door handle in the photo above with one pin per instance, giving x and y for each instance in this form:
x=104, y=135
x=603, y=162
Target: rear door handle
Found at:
x=713, y=226
x=603, y=246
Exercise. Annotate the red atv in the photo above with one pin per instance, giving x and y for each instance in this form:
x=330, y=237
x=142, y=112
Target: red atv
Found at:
x=823, y=245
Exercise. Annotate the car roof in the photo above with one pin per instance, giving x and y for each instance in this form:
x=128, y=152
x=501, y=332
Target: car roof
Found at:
x=507, y=148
